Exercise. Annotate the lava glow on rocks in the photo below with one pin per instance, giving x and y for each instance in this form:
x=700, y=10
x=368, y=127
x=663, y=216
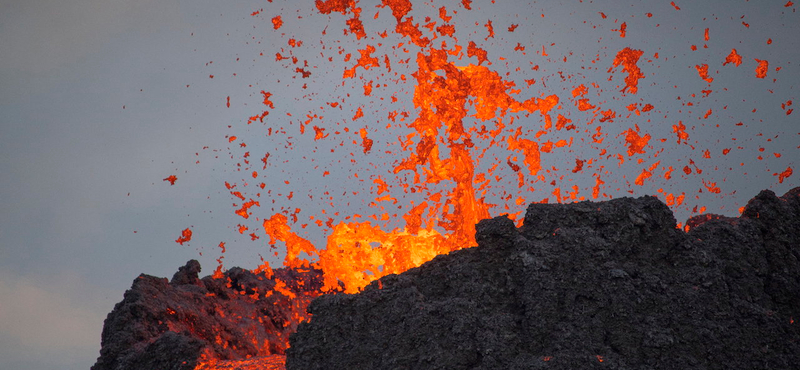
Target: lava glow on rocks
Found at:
x=391, y=129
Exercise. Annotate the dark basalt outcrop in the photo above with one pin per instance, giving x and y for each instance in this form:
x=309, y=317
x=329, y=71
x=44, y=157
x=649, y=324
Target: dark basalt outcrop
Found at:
x=611, y=285
x=169, y=325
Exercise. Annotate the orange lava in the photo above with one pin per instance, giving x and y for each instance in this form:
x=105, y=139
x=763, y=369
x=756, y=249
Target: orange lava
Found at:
x=761, y=70
x=273, y=362
x=171, y=179
x=628, y=58
x=186, y=235
x=424, y=129
x=703, y=71
x=635, y=142
x=785, y=174
x=734, y=58
x=277, y=22
x=277, y=228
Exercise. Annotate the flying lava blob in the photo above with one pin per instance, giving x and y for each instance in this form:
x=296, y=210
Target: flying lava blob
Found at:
x=391, y=130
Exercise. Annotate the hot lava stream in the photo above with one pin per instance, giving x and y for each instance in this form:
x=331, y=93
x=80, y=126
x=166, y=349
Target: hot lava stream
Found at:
x=501, y=117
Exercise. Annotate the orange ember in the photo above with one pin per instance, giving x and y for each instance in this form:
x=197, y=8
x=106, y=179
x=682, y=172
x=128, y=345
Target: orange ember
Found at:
x=635, y=142
x=703, y=71
x=628, y=58
x=171, y=179
x=186, y=235
x=277, y=22
x=785, y=174
x=734, y=58
x=761, y=70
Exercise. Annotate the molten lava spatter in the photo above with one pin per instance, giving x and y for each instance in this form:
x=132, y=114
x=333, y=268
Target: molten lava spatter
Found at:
x=628, y=58
x=465, y=115
x=426, y=121
x=186, y=235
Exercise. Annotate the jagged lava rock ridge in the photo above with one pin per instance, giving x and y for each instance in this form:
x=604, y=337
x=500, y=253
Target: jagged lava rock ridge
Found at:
x=169, y=325
x=589, y=285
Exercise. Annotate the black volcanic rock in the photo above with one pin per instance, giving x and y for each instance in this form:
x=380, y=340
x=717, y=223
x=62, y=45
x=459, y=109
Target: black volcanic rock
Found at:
x=169, y=325
x=590, y=285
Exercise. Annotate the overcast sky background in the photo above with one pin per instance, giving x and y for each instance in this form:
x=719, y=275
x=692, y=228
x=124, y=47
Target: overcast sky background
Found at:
x=95, y=111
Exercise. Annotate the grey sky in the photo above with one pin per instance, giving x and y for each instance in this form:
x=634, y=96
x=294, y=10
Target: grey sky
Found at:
x=84, y=207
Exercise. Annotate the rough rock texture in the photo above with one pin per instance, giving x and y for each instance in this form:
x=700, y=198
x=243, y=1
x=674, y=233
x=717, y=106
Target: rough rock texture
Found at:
x=170, y=325
x=611, y=285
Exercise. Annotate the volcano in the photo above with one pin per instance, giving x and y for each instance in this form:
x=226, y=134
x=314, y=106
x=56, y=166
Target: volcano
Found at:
x=612, y=284
x=396, y=136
